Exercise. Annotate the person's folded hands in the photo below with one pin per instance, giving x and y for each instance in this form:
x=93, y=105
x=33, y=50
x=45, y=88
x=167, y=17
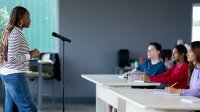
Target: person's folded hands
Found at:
x=144, y=77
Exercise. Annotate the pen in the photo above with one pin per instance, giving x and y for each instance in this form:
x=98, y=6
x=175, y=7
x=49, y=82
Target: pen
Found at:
x=174, y=84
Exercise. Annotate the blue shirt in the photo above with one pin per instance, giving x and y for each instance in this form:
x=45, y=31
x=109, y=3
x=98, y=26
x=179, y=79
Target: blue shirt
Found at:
x=151, y=69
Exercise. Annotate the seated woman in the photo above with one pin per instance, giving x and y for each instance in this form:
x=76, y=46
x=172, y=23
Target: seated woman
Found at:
x=178, y=73
x=193, y=57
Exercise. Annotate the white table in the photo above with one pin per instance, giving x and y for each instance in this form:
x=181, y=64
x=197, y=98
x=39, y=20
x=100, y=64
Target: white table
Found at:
x=144, y=100
x=103, y=94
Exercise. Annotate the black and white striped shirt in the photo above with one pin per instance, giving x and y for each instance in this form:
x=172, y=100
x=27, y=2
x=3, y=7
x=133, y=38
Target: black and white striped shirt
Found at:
x=18, y=53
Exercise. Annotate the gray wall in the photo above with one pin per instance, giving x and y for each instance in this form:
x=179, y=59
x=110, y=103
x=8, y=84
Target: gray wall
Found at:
x=99, y=28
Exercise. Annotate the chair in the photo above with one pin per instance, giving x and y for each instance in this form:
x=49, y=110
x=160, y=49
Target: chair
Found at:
x=123, y=58
x=2, y=96
x=166, y=53
x=50, y=66
x=123, y=61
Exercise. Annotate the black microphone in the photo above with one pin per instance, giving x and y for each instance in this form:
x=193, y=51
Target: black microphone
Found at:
x=61, y=37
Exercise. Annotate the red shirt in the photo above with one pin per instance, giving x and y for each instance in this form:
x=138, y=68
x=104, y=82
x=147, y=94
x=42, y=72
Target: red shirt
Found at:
x=174, y=74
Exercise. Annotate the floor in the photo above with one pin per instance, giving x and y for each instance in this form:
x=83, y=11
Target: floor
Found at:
x=68, y=108
x=49, y=107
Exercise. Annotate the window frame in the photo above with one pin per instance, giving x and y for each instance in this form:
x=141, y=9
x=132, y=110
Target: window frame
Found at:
x=193, y=5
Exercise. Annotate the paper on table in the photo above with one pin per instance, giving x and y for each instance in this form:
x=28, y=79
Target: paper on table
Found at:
x=120, y=76
x=163, y=92
x=191, y=100
x=138, y=81
x=133, y=76
x=136, y=73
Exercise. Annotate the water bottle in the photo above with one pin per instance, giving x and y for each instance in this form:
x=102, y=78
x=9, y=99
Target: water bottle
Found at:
x=136, y=64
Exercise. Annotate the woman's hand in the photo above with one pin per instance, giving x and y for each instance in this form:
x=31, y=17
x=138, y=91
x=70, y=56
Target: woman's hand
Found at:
x=173, y=90
x=35, y=53
x=144, y=77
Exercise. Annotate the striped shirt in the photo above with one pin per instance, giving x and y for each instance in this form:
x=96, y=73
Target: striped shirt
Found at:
x=18, y=54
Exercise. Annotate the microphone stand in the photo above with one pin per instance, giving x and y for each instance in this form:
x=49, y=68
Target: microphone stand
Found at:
x=63, y=76
x=63, y=54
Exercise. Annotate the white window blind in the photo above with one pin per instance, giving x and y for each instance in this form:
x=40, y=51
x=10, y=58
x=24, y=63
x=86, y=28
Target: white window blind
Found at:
x=44, y=21
x=196, y=23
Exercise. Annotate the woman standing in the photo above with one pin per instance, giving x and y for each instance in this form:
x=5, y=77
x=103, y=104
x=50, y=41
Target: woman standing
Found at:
x=193, y=57
x=18, y=97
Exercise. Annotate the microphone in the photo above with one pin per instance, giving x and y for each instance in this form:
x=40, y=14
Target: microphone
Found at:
x=61, y=37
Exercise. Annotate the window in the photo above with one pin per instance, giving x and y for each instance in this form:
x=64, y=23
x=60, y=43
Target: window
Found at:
x=196, y=22
x=44, y=21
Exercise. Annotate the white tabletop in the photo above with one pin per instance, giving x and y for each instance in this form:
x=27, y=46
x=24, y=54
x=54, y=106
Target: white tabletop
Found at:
x=145, y=98
x=113, y=80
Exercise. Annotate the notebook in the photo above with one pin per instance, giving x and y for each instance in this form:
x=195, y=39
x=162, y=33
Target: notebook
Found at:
x=134, y=80
x=191, y=100
x=163, y=92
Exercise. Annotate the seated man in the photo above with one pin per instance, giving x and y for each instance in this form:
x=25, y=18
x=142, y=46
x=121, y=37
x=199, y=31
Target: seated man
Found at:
x=152, y=66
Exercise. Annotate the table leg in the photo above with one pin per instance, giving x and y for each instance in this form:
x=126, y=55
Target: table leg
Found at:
x=40, y=87
x=105, y=96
